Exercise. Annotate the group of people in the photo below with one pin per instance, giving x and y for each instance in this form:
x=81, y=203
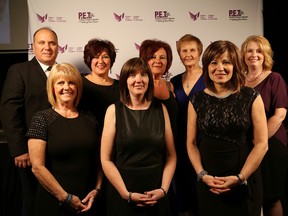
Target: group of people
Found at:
x=209, y=141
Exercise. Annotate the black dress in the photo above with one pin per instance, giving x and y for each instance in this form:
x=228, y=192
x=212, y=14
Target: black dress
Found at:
x=172, y=108
x=225, y=125
x=139, y=157
x=97, y=98
x=72, y=154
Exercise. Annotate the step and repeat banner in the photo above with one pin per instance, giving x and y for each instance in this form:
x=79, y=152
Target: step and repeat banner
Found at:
x=127, y=23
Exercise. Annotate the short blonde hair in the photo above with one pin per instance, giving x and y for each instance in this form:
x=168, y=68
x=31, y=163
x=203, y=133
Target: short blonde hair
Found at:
x=67, y=71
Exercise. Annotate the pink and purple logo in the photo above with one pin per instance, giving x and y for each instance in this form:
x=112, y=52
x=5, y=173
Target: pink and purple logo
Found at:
x=119, y=17
x=194, y=17
x=42, y=19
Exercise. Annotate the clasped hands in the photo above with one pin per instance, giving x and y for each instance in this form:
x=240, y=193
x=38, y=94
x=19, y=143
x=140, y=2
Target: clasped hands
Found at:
x=219, y=185
x=148, y=198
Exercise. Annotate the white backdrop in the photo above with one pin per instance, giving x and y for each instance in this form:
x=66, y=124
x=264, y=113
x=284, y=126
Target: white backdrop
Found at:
x=127, y=23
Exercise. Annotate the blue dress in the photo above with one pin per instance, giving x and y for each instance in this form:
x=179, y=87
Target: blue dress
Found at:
x=185, y=176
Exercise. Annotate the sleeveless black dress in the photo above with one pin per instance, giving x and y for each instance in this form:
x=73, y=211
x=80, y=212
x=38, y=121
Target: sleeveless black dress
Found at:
x=225, y=125
x=139, y=150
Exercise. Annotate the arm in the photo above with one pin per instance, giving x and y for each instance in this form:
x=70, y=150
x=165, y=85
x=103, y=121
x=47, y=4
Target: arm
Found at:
x=170, y=164
x=13, y=116
x=260, y=141
x=275, y=121
x=107, y=141
x=216, y=185
x=37, y=149
x=192, y=149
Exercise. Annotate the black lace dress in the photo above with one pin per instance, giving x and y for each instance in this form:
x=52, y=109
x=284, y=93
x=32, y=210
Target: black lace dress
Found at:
x=225, y=125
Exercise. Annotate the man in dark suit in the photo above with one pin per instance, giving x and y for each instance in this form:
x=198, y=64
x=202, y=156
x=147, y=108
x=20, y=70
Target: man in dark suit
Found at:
x=23, y=94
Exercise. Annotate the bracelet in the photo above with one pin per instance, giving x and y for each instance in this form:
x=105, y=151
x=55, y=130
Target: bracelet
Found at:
x=201, y=174
x=164, y=191
x=97, y=189
x=242, y=182
x=67, y=200
x=129, y=197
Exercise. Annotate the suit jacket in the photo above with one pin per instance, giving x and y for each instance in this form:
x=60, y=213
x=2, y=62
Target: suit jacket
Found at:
x=23, y=94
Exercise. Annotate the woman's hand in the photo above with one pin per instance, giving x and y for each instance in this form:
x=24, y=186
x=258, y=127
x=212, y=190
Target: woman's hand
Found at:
x=146, y=199
x=219, y=185
x=88, y=200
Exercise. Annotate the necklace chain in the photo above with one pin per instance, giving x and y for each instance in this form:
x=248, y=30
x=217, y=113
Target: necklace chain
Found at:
x=229, y=92
x=256, y=78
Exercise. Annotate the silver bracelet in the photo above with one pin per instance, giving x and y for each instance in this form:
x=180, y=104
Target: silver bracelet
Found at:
x=201, y=174
x=129, y=197
x=242, y=182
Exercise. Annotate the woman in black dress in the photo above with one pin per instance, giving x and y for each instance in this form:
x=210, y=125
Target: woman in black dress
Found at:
x=227, y=114
x=64, y=149
x=99, y=89
x=137, y=149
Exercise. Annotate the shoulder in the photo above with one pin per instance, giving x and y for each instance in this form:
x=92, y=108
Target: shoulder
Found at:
x=175, y=79
x=197, y=95
x=112, y=107
x=170, y=86
x=26, y=67
x=45, y=115
x=44, y=118
x=248, y=90
x=248, y=93
x=276, y=77
x=116, y=82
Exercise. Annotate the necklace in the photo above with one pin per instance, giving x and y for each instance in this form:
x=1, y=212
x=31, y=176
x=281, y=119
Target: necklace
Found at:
x=228, y=93
x=256, y=78
x=187, y=85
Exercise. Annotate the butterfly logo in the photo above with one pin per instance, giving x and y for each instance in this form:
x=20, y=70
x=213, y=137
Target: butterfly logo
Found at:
x=118, y=17
x=194, y=16
x=62, y=49
x=42, y=18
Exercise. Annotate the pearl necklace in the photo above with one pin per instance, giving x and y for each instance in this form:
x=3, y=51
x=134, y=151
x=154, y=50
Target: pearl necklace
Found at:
x=229, y=92
x=256, y=78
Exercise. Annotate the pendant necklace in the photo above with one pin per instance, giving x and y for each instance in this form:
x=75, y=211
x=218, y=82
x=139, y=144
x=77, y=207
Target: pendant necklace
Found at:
x=256, y=78
x=187, y=85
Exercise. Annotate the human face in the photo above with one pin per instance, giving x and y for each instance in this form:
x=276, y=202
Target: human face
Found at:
x=101, y=64
x=45, y=47
x=65, y=91
x=158, y=62
x=253, y=56
x=137, y=83
x=189, y=53
x=221, y=69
